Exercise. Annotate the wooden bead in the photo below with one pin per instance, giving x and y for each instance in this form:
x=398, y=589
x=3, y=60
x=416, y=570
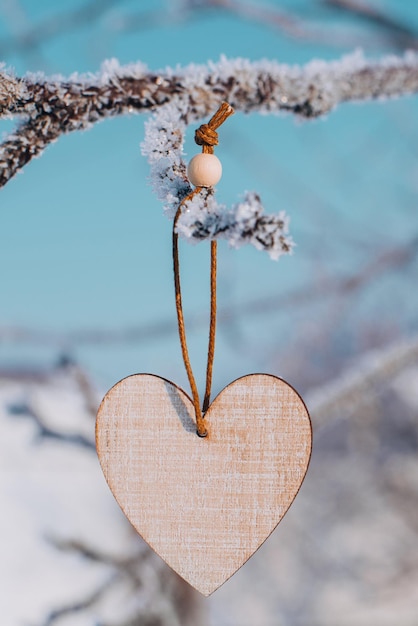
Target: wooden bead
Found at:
x=204, y=170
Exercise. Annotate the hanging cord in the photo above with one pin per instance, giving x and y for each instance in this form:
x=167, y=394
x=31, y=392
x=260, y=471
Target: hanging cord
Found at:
x=207, y=137
x=212, y=325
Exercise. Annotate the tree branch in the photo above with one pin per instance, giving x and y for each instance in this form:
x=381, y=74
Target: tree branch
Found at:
x=52, y=107
x=153, y=593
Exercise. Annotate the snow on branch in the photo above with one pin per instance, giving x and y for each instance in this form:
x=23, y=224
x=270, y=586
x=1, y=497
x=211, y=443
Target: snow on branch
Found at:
x=10, y=92
x=245, y=223
x=63, y=105
x=49, y=107
x=202, y=217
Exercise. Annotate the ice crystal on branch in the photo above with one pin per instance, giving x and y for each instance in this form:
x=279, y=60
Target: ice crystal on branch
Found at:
x=10, y=90
x=163, y=146
x=244, y=223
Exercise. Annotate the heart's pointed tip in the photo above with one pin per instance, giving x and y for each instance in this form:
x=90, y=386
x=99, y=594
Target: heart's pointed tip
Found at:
x=204, y=586
x=207, y=586
x=207, y=594
x=206, y=591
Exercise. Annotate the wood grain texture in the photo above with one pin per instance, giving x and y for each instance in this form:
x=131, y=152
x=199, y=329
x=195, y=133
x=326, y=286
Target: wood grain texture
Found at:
x=204, y=505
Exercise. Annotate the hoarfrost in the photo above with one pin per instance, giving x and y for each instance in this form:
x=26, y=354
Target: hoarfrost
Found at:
x=202, y=217
x=182, y=96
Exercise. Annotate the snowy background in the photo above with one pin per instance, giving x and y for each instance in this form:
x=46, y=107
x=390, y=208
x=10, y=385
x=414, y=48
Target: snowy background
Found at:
x=87, y=298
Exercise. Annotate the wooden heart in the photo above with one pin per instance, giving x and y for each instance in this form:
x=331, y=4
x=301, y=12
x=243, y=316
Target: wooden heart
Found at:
x=204, y=505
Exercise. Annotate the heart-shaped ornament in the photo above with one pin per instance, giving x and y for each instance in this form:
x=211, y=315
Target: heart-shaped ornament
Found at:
x=204, y=504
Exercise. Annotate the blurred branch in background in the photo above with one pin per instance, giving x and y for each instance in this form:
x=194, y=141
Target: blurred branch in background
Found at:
x=399, y=34
x=352, y=389
x=174, y=604
x=386, y=261
x=29, y=39
x=122, y=581
x=309, y=30
x=285, y=22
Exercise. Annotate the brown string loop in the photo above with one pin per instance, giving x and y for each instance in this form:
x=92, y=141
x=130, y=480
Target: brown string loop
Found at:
x=207, y=137
x=200, y=426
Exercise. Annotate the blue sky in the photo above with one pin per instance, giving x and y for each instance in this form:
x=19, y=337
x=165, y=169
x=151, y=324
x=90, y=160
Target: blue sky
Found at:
x=84, y=244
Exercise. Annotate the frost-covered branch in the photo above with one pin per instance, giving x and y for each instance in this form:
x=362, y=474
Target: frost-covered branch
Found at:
x=48, y=108
x=10, y=92
x=64, y=105
x=202, y=217
x=245, y=223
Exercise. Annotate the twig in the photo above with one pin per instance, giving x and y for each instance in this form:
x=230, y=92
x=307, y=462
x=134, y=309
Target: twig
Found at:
x=56, y=615
x=124, y=564
x=159, y=594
